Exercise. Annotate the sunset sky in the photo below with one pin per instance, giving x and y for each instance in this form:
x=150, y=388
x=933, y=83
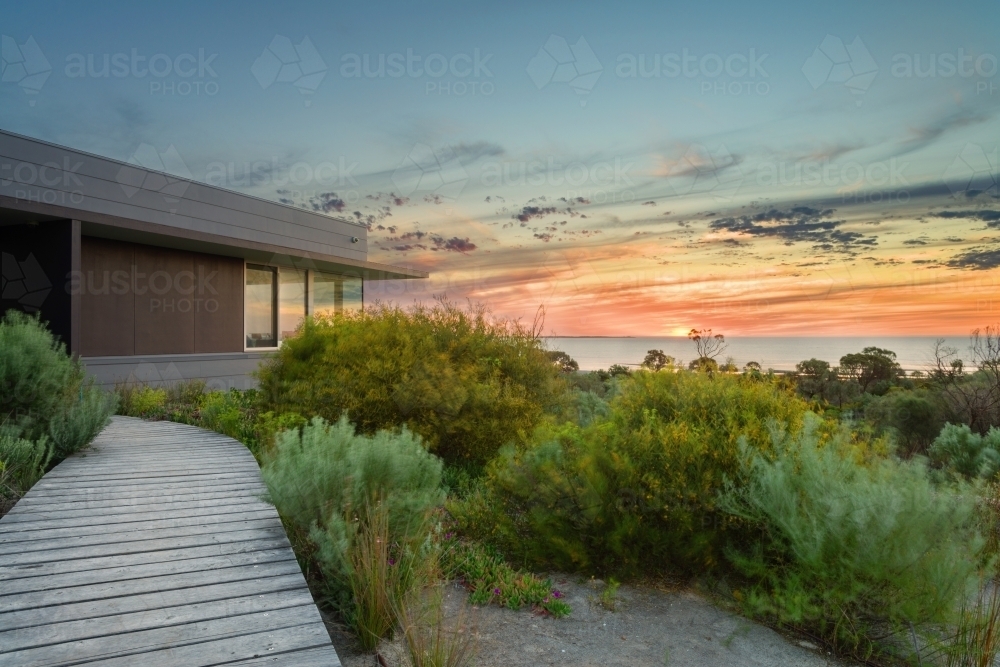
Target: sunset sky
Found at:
x=637, y=169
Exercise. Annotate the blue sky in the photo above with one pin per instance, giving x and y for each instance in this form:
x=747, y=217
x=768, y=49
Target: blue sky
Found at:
x=833, y=176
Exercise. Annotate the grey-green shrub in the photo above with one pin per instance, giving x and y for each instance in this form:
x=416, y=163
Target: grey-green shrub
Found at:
x=80, y=421
x=22, y=463
x=958, y=449
x=35, y=373
x=845, y=549
x=323, y=478
x=43, y=391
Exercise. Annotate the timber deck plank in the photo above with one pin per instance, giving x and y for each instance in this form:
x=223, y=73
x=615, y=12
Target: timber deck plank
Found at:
x=155, y=546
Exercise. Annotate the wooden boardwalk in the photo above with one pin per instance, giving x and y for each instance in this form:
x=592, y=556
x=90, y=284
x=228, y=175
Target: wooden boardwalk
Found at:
x=154, y=549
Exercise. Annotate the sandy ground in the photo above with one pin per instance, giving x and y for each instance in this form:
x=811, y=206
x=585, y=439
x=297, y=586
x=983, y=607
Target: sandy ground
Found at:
x=648, y=627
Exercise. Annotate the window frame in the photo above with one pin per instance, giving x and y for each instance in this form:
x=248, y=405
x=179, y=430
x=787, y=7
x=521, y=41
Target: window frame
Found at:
x=276, y=297
x=274, y=305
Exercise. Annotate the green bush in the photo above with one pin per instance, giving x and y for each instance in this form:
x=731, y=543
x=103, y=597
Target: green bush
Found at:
x=22, y=463
x=914, y=418
x=238, y=414
x=80, y=422
x=848, y=551
x=44, y=393
x=323, y=478
x=491, y=579
x=139, y=400
x=637, y=492
x=960, y=450
x=465, y=382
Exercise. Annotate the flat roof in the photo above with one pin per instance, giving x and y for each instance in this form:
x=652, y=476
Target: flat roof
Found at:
x=42, y=181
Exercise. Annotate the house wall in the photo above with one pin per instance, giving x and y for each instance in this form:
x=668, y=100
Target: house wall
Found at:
x=231, y=370
x=142, y=300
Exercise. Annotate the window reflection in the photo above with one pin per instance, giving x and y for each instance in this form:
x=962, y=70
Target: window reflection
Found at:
x=277, y=300
x=291, y=300
x=336, y=294
x=259, y=301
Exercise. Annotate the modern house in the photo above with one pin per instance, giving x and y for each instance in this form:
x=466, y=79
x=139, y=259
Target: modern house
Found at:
x=150, y=277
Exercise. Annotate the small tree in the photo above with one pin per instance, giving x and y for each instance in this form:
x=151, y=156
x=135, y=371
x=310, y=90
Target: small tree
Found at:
x=816, y=380
x=709, y=345
x=704, y=365
x=873, y=368
x=563, y=361
x=971, y=398
x=656, y=360
x=618, y=369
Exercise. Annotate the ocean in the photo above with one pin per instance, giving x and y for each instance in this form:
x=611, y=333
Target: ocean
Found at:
x=778, y=353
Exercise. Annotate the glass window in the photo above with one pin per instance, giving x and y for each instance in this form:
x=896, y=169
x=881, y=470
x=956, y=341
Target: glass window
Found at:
x=335, y=294
x=291, y=300
x=353, y=294
x=260, y=297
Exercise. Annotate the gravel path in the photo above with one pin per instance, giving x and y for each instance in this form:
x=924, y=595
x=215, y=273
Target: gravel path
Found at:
x=647, y=628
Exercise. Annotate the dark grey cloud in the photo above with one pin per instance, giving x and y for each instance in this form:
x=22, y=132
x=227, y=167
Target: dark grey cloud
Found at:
x=327, y=202
x=434, y=242
x=529, y=212
x=454, y=244
x=989, y=216
x=795, y=225
x=976, y=260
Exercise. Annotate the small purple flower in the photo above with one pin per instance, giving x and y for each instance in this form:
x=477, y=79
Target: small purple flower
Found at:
x=447, y=536
x=556, y=594
x=392, y=561
x=496, y=591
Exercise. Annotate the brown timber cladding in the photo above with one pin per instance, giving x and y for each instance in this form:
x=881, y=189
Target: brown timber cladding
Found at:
x=138, y=299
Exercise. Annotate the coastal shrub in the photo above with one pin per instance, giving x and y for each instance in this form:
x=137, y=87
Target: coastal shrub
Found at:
x=491, y=579
x=80, y=421
x=635, y=493
x=848, y=551
x=960, y=450
x=433, y=637
x=139, y=400
x=324, y=477
x=467, y=383
x=913, y=418
x=382, y=572
x=586, y=408
x=37, y=377
x=178, y=401
x=44, y=393
x=22, y=463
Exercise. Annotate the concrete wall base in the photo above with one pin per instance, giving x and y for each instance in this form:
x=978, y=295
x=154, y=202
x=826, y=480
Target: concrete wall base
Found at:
x=220, y=371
